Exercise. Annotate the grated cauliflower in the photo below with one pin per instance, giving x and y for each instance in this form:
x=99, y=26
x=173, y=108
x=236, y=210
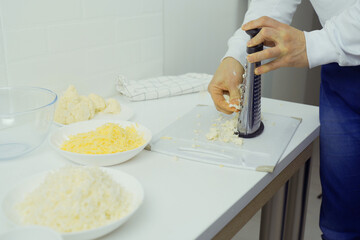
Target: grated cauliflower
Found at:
x=223, y=130
x=75, y=199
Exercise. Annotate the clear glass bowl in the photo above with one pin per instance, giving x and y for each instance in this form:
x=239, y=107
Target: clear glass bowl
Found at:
x=26, y=115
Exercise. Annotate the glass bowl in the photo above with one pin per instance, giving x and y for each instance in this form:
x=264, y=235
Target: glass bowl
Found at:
x=26, y=115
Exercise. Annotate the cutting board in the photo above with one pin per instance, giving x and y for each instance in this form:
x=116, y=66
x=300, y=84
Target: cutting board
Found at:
x=186, y=138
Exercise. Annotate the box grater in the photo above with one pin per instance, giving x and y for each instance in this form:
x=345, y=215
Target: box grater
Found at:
x=249, y=122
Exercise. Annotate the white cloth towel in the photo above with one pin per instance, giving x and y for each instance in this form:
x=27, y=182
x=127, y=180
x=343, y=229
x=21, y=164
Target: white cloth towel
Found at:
x=164, y=86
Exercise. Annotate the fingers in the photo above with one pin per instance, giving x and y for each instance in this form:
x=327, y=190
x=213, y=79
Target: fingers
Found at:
x=288, y=45
x=264, y=54
x=260, y=23
x=223, y=106
x=275, y=64
x=233, y=89
x=234, y=100
x=266, y=35
x=219, y=100
x=235, y=105
x=226, y=81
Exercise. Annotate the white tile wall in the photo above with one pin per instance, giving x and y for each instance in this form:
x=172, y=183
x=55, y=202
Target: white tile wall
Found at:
x=84, y=34
x=151, y=26
x=151, y=6
x=2, y=57
x=196, y=33
x=103, y=8
x=151, y=48
x=25, y=43
x=88, y=43
x=30, y=13
x=3, y=78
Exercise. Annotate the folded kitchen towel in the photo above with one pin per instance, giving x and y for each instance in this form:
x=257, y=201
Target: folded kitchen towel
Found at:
x=164, y=86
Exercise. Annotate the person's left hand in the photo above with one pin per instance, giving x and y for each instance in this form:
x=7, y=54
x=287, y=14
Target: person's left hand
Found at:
x=287, y=45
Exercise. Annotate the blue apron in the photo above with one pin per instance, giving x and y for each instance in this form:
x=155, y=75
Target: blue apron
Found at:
x=340, y=152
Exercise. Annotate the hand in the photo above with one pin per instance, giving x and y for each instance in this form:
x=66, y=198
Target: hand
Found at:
x=226, y=80
x=287, y=45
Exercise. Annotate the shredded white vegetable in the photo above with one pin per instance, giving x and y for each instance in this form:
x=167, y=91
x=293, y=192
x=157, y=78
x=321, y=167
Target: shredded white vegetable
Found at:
x=75, y=199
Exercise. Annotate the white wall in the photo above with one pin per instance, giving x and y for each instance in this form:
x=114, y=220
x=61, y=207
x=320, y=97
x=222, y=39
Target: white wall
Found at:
x=54, y=43
x=3, y=78
x=196, y=32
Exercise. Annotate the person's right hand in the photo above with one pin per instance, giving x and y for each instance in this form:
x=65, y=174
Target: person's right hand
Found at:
x=226, y=80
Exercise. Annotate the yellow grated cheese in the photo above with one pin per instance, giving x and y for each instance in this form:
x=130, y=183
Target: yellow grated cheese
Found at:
x=75, y=199
x=108, y=138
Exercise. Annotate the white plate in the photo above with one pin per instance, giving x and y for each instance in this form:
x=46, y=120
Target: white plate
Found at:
x=127, y=181
x=60, y=135
x=31, y=233
x=125, y=114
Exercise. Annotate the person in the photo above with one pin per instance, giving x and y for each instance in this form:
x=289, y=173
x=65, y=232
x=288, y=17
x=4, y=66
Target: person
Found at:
x=337, y=48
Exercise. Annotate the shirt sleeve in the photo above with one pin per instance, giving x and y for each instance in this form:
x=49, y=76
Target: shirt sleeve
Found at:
x=338, y=41
x=281, y=10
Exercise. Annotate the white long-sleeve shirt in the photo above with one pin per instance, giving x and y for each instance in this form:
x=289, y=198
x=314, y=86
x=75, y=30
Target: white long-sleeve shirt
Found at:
x=338, y=40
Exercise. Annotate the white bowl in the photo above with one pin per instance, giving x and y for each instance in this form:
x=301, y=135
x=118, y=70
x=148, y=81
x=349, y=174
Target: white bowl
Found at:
x=31, y=233
x=60, y=135
x=128, y=182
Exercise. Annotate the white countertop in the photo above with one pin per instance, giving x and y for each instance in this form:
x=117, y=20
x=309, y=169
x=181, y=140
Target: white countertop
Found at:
x=183, y=199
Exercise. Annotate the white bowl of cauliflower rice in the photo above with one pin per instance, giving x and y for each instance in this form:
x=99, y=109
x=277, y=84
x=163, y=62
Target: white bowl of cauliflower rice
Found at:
x=79, y=202
x=100, y=142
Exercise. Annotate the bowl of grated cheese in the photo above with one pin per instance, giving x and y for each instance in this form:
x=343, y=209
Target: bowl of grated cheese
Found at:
x=81, y=202
x=100, y=142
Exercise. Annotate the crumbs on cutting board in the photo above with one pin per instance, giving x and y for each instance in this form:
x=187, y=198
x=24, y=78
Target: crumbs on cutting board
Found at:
x=223, y=130
x=166, y=138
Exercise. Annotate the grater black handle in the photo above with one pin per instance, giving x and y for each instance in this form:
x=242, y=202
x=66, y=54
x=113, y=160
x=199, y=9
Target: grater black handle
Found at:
x=253, y=32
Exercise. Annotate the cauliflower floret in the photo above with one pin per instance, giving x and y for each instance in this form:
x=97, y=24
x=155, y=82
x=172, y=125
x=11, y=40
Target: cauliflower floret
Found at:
x=73, y=108
x=85, y=109
x=98, y=101
x=71, y=93
x=112, y=106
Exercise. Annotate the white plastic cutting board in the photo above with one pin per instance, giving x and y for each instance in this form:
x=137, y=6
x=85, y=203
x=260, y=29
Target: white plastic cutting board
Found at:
x=186, y=138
